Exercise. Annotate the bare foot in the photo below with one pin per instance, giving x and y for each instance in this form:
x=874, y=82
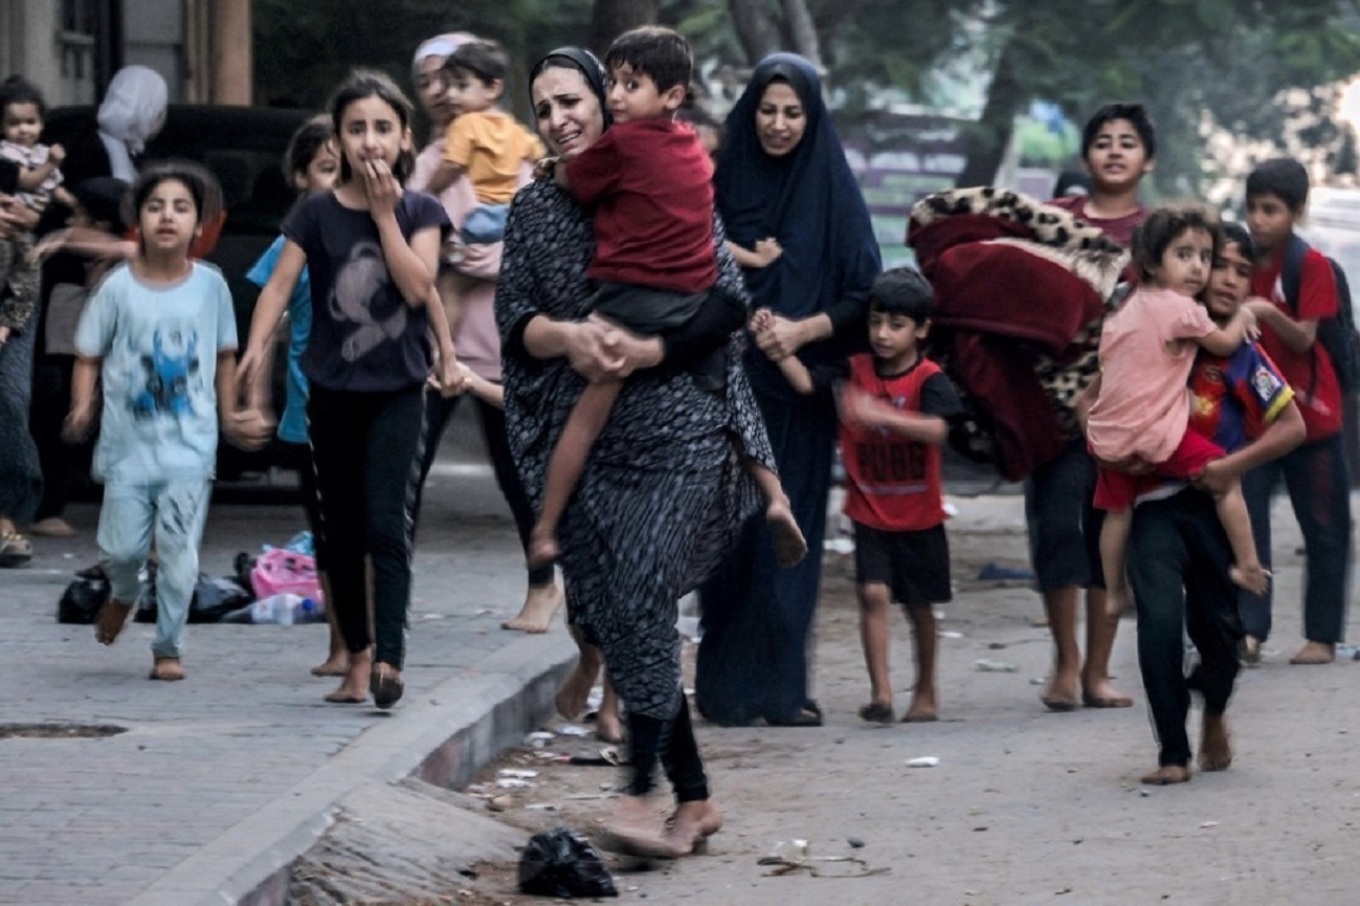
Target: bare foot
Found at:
x=877, y=712
x=542, y=548
x=353, y=689
x=167, y=668
x=1215, y=752
x=540, y=604
x=111, y=619
x=634, y=828
x=1118, y=597
x=923, y=709
x=335, y=665
x=386, y=684
x=1100, y=694
x=694, y=822
x=1254, y=577
x=1167, y=775
x=1061, y=693
x=1315, y=653
x=52, y=527
x=1251, y=649
x=575, y=691
x=790, y=546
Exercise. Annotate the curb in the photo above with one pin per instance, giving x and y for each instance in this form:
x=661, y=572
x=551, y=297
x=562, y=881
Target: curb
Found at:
x=444, y=739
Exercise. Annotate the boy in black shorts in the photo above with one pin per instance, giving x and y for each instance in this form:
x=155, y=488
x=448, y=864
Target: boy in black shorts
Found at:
x=894, y=416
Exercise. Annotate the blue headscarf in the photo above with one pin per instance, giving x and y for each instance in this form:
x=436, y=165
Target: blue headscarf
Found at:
x=807, y=199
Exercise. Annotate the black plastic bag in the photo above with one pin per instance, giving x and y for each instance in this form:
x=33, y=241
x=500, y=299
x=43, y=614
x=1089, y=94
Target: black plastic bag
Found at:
x=562, y=863
x=213, y=599
x=82, y=599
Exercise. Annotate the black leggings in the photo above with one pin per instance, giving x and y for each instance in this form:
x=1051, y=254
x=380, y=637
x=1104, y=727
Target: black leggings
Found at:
x=672, y=741
x=60, y=460
x=438, y=411
x=365, y=447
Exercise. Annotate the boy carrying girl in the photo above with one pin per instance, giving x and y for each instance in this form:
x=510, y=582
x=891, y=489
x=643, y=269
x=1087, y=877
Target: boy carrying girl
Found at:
x=895, y=415
x=650, y=181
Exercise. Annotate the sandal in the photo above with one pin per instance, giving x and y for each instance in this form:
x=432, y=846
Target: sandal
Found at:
x=385, y=685
x=876, y=713
x=803, y=717
x=15, y=550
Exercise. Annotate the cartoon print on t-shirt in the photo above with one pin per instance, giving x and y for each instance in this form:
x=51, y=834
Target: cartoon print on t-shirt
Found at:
x=173, y=361
x=358, y=283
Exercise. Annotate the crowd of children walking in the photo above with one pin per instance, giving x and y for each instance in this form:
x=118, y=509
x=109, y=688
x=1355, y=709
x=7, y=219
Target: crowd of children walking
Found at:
x=737, y=319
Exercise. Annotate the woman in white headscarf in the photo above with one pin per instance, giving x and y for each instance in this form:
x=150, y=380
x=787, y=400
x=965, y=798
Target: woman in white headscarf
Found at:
x=132, y=113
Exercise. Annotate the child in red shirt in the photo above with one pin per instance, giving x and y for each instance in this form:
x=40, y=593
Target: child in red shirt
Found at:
x=894, y=417
x=651, y=182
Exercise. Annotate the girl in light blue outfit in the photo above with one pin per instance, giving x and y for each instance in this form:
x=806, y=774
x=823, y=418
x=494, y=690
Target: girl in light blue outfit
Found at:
x=160, y=335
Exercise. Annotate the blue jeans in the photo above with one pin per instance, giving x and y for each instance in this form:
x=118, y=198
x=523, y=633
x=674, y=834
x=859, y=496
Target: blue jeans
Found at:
x=1319, y=489
x=175, y=511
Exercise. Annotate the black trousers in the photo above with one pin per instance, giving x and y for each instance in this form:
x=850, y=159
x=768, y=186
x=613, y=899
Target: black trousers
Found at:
x=58, y=459
x=673, y=743
x=438, y=411
x=1178, y=567
x=365, y=448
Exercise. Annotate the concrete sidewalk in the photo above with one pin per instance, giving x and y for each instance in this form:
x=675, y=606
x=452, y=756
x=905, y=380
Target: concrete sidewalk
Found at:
x=211, y=787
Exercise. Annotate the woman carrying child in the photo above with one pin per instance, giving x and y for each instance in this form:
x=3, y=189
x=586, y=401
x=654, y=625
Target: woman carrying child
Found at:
x=370, y=249
x=1141, y=414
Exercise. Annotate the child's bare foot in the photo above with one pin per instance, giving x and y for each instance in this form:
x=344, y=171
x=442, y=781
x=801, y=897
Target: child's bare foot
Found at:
x=540, y=604
x=335, y=665
x=1061, y=693
x=542, y=550
x=1099, y=693
x=1117, y=599
x=923, y=709
x=634, y=828
x=1254, y=577
x=1167, y=775
x=167, y=668
x=575, y=691
x=1315, y=653
x=112, y=617
x=1215, y=752
x=789, y=544
x=353, y=689
x=694, y=822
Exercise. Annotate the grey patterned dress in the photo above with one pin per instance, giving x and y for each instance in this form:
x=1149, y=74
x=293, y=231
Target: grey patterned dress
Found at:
x=664, y=491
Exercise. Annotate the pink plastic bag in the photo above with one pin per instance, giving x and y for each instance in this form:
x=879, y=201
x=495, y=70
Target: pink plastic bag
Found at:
x=281, y=572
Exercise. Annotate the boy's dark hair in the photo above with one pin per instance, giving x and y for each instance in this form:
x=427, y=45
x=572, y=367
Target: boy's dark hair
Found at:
x=102, y=198
x=198, y=179
x=1164, y=224
x=486, y=60
x=18, y=90
x=309, y=138
x=1283, y=177
x=1234, y=233
x=902, y=291
x=659, y=52
x=1135, y=114
x=370, y=83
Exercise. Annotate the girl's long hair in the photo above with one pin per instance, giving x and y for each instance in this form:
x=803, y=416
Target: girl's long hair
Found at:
x=370, y=83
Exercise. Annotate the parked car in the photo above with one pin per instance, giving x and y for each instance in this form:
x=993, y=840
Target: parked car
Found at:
x=244, y=148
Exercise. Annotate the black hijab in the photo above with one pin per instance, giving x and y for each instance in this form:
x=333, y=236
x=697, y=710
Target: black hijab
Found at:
x=584, y=62
x=808, y=199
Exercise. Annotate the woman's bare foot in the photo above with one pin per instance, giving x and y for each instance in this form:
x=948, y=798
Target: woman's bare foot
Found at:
x=575, y=691
x=1061, y=692
x=1315, y=653
x=542, y=549
x=335, y=665
x=634, y=828
x=923, y=709
x=112, y=617
x=790, y=546
x=1254, y=577
x=540, y=605
x=167, y=668
x=1167, y=775
x=694, y=822
x=353, y=689
x=52, y=527
x=1215, y=751
x=1117, y=598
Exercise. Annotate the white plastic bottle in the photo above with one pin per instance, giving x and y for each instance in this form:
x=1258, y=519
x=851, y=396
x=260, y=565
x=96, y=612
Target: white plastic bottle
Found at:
x=279, y=609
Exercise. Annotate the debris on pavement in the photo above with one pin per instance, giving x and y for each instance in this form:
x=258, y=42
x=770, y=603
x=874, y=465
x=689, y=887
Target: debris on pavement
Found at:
x=987, y=665
x=792, y=855
x=925, y=761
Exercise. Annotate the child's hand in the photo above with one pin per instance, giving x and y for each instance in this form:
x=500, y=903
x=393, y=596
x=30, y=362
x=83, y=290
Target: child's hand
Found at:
x=1216, y=479
x=77, y=425
x=767, y=251
x=858, y=409
x=56, y=154
x=248, y=429
x=762, y=320
x=1250, y=324
x=46, y=247
x=543, y=169
x=381, y=187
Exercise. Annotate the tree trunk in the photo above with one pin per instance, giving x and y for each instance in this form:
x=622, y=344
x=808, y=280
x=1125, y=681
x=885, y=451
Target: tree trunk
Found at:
x=755, y=28
x=987, y=139
x=802, y=31
x=611, y=18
